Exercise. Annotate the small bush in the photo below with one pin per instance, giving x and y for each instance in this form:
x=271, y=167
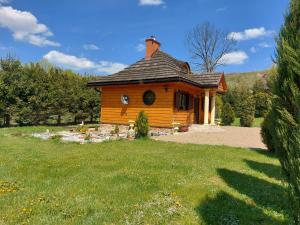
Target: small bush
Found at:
x=219, y=105
x=141, y=124
x=266, y=133
x=56, y=137
x=262, y=104
x=247, y=112
x=227, y=114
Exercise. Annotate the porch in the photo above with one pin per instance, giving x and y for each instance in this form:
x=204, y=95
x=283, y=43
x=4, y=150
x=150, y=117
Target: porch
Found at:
x=194, y=106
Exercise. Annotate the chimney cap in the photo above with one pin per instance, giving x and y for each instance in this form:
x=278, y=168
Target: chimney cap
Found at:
x=153, y=38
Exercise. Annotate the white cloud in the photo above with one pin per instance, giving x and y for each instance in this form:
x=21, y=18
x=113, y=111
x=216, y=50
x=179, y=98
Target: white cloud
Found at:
x=234, y=58
x=25, y=27
x=140, y=47
x=250, y=34
x=151, y=2
x=110, y=67
x=73, y=62
x=264, y=45
x=91, y=47
x=4, y=2
x=70, y=61
x=253, y=50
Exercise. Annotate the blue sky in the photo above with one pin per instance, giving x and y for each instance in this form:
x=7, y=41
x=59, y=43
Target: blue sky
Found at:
x=103, y=36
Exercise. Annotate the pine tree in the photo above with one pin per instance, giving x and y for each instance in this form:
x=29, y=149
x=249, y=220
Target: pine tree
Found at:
x=286, y=104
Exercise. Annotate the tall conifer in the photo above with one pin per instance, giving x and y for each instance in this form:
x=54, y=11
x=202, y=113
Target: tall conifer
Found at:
x=285, y=111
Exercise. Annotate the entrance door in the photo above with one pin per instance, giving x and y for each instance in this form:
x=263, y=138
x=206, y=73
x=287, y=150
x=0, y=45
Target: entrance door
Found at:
x=196, y=111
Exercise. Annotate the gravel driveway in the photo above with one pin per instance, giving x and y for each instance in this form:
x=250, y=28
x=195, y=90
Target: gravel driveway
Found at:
x=232, y=136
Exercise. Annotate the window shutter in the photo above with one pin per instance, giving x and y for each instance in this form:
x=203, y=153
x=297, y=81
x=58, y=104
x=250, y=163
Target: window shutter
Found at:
x=191, y=100
x=176, y=100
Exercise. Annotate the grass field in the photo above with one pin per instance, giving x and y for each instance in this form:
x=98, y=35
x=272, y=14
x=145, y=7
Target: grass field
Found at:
x=137, y=182
x=256, y=123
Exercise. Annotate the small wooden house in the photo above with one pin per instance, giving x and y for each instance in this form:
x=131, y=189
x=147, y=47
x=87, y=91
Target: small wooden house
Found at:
x=162, y=86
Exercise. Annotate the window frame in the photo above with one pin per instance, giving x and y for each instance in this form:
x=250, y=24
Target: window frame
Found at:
x=149, y=91
x=183, y=101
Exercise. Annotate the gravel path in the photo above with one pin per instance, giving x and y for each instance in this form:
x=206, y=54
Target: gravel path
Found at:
x=232, y=136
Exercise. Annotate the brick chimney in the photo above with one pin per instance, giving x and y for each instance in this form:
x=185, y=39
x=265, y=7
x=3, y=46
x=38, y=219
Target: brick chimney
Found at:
x=152, y=45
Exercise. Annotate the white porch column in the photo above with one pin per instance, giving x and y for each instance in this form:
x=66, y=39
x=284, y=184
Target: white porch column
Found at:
x=213, y=109
x=206, y=107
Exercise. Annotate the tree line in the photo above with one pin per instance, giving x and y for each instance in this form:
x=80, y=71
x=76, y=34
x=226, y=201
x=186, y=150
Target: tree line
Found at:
x=40, y=93
x=246, y=101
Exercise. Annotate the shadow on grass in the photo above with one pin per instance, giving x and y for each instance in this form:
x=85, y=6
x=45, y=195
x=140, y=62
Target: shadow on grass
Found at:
x=265, y=152
x=226, y=209
x=270, y=170
x=262, y=192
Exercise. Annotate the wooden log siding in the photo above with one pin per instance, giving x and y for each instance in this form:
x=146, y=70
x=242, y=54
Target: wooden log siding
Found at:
x=113, y=111
x=161, y=114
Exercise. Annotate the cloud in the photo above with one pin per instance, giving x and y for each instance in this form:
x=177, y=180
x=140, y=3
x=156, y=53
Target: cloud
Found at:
x=234, y=58
x=91, y=47
x=151, y=2
x=70, y=61
x=264, y=45
x=221, y=9
x=4, y=2
x=110, y=67
x=140, y=47
x=25, y=27
x=250, y=34
x=76, y=63
x=253, y=50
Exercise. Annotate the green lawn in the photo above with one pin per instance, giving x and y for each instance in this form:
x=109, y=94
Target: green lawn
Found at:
x=256, y=123
x=137, y=182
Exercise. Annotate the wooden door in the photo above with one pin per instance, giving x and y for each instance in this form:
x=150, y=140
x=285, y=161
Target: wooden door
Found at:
x=196, y=111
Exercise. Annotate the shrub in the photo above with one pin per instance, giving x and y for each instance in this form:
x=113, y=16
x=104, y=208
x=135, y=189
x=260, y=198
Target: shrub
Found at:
x=56, y=137
x=141, y=124
x=227, y=114
x=266, y=132
x=219, y=105
x=247, y=112
x=262, y=104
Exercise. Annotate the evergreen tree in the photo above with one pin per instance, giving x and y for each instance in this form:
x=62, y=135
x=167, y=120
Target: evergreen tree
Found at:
x=227, y=115
x=247, y=112
x=286, y=105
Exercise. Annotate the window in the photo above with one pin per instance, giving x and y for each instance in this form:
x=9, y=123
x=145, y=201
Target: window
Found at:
x=125, y=99
x=183, y=100
x=149, y=97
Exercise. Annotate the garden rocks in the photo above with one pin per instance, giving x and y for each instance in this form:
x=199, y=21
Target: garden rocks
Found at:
x=105, y=132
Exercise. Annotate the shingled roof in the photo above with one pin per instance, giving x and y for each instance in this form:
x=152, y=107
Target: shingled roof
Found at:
x=161, y=67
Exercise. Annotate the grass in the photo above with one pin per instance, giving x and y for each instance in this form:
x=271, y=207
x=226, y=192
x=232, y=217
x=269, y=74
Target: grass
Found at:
x=137, y=182
x=256, y=123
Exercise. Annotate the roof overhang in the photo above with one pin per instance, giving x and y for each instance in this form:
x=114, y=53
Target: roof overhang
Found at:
x=149, y=81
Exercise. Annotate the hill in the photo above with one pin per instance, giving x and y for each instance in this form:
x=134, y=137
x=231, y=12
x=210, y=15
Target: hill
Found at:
x=247, y=78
